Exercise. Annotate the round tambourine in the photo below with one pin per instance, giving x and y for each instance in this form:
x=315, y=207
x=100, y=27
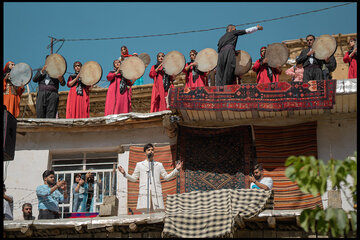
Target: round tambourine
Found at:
x=90, y=73
x=173, y=63
x=132, y=68
x=20, y=74
x=55, y=65
x=277, y=54
x=324, y=46
x=206, y=59
x=243, y=63
x=145, y=58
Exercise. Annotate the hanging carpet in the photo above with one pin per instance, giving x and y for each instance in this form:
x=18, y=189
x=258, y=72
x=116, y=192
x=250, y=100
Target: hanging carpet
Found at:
x=281, y=96
x=214, y=158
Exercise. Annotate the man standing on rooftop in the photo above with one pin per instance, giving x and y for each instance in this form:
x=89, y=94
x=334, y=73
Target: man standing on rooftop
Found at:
x=225, y=70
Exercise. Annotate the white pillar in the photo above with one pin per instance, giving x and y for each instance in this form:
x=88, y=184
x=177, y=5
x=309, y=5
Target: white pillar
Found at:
x=122, y=186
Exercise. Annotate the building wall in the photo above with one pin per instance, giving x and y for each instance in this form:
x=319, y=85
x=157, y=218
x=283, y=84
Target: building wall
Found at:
x=34, y=149
x=23, y=175
x=337, y=139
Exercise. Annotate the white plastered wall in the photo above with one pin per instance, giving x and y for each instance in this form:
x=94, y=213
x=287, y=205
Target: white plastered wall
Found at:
x=33, y=150
x=23, y=176
x=337, y=139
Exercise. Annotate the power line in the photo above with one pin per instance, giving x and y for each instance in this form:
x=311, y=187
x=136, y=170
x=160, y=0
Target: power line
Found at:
x=204, y=30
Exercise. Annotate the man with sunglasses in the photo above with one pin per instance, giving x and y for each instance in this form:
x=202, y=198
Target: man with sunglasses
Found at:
x=312, y=66
x=47, y=99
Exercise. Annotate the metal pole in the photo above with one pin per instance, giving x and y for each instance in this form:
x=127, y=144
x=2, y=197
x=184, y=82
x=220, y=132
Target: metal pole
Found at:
x=148, y=192
x=51, y=46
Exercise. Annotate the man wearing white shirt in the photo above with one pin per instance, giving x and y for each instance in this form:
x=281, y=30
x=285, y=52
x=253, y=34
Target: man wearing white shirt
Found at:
x=258, y=181
x=150, y=197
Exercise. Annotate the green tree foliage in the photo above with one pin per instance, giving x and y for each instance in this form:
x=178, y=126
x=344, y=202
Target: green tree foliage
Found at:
x=311, y=176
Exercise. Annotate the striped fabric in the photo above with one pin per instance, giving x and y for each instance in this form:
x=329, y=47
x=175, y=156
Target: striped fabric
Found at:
x=273, y=146
x=203, y=214
x=165, y=155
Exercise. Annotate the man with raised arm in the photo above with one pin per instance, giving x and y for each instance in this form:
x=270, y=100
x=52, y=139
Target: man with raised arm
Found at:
x=150, y=197
x=225, y=70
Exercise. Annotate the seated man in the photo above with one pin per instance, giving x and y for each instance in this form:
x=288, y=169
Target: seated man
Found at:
x=258, y=181
x=27, y=211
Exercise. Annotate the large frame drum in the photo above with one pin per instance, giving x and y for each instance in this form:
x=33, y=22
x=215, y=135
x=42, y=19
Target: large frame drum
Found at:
x=20, y=74
x=132, y=68
x=277, y=54
x=324, y=46
x=55, y=65
x=173, y=63
x=90, y=73
x=206, y=59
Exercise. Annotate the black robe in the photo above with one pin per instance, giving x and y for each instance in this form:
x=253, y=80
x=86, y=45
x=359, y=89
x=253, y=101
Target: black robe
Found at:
x=329, y=68
x=311, y=71
x=225, y=70
x=47, y=99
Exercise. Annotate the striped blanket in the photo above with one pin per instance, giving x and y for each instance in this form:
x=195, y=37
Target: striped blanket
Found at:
x=200, y=214
x=165, y=155
x=273, y=146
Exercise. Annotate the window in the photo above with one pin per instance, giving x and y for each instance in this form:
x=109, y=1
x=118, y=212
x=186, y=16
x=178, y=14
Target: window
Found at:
x=102, y=166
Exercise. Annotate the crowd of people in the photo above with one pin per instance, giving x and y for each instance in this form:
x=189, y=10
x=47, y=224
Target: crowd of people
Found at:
x=150, y=198
x=51, y=193
x=118, y=98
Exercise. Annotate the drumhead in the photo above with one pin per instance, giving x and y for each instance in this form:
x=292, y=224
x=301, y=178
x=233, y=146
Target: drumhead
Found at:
x=20, y=74
x=145, y=58
x=206, y=59
x=55, y=65
x=90, y=73
x=277, y=54
x=243, y=63
x=173, y=63
x=324, y=46
x=132, y=68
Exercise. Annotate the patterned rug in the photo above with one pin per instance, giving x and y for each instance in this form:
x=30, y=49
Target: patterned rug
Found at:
x=214, y=158
x=273, y=146
x=165, y=155
x=315, y=94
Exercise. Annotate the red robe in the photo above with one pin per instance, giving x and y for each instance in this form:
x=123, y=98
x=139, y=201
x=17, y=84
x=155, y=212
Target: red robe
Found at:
x=11, y=95
x=262, y=76
x=117, y=103
x=158, y=102
x=201, y=81
x=352, y=65
x=77, y=106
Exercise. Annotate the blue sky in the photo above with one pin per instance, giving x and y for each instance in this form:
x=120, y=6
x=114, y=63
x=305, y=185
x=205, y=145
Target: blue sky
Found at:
x=28, y=25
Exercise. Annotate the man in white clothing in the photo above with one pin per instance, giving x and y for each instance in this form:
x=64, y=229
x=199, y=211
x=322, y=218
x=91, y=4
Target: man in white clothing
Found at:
x=150, y=197
x=258, y=181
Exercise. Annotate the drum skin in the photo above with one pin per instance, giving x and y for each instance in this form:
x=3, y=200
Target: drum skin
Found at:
x=146, y=58
x=276, y=54
x=20, y=74
x=243, y=63
x=206, y=59
x=90, y=73
x=55, y=65
x=132, y=68
x=324, y=46
x=173, y=63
